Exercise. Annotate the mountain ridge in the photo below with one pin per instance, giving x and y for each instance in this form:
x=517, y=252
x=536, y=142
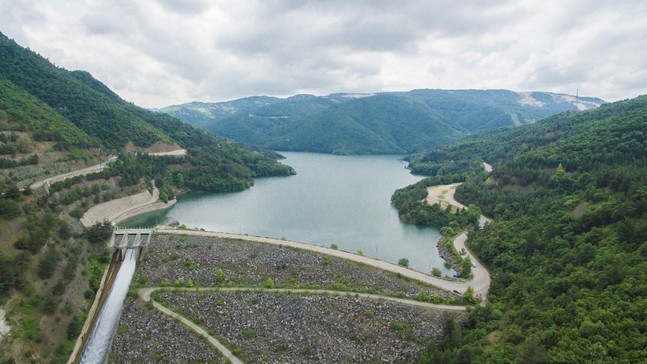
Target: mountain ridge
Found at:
x=303, y=122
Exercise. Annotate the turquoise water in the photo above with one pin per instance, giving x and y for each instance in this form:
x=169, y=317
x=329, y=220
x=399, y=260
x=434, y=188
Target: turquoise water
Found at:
x=343, y=200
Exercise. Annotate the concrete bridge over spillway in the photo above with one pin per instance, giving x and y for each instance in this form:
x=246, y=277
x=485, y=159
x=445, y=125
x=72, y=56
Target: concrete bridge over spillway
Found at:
x=124, y=239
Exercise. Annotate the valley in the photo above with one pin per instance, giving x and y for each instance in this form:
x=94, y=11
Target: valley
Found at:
x=565, y=186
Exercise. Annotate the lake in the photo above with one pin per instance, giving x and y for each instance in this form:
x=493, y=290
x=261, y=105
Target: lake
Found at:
x=343, y=200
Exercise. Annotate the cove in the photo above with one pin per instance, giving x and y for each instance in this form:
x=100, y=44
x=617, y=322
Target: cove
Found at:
x=345, y=200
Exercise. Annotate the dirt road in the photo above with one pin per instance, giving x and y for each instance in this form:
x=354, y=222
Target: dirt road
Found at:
x=80, y=172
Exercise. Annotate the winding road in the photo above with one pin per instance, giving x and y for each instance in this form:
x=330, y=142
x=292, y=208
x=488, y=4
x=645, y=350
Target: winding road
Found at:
x=444, y=195
x=93, y=169
x=124, y=207
x=79, y=172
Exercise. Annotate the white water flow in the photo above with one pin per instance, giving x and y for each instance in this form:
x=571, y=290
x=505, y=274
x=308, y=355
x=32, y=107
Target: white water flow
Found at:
x=96, y=348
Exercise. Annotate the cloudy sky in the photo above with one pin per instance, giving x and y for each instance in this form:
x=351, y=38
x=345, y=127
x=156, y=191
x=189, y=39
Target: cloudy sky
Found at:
x=161, y=52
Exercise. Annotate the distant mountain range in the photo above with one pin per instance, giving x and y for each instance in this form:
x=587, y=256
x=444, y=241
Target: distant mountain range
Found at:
x=380, y=123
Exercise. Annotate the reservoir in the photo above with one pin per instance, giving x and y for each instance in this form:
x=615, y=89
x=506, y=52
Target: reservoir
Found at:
x=342, y=200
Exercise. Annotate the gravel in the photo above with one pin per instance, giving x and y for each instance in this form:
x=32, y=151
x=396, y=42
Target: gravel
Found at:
x=275, y=327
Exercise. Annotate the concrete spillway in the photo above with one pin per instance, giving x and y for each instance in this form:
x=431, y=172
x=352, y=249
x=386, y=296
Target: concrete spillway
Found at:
x=97, y=345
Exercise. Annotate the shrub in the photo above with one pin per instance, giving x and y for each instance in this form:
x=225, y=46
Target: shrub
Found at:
x=99, y=232
x=435, y=271
x=47, y=263
x=74, y=328
x=220, y=277
x=249, y=333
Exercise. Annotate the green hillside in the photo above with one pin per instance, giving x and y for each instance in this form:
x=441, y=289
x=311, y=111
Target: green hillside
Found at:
x=390, y=122
x=53, y=121
x=568, y=247
x=93, y=112
x=82, y=112
x=46, y=124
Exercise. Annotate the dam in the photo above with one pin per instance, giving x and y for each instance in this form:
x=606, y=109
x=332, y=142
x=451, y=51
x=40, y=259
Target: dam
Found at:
x=129, y=245
x=124, y=239
x=98, y=343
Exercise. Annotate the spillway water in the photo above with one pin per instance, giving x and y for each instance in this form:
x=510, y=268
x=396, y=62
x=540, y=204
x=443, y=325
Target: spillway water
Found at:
x=97, y=345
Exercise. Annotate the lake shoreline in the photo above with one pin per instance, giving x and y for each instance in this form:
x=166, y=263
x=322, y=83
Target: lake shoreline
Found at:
x=344, y=201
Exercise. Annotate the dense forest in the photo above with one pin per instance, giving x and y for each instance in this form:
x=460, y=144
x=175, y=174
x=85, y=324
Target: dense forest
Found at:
x=568, y=246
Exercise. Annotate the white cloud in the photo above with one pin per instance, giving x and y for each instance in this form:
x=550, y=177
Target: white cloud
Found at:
x=164, y=52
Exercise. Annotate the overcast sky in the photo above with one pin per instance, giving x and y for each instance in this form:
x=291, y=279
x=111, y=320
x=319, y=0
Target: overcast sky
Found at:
x=161, y=52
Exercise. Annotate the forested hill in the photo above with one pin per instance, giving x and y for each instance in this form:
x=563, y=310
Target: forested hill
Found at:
x=76, y=112
x=53, y=121
x=568, y=247
x=390, y=122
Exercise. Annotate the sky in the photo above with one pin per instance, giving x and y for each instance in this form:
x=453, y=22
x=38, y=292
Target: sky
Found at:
x=157, y=53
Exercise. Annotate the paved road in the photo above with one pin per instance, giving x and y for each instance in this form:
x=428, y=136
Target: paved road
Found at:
x=92, y=169
x=449, y=197
x=481, y=280
x=406, y=272
x=125, y=207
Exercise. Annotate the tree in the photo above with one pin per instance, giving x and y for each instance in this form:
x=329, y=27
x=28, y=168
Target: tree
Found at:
x=47, y=263
x=99, y=232
x=469, y=295
x=466, y=267
x=404, y=262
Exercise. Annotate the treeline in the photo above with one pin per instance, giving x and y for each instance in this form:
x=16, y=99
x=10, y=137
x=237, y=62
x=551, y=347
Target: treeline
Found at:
x=217, y=168
x=568, y=247
x=511, y=142
x=10, y=163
